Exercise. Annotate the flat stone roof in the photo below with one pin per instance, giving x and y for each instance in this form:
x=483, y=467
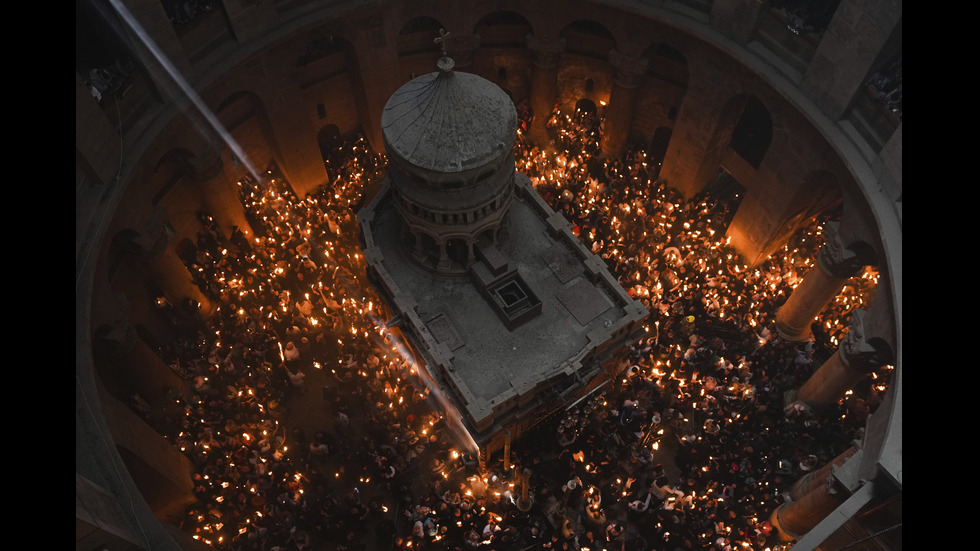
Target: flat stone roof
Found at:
x=581, y=306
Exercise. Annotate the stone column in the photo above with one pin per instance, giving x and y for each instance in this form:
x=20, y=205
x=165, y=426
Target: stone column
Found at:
x=545, y=55
x=173, y=277
x=444, y=262
x=296, y=150
x=376, y=73
x=814, y=479
x=835, y=265
x=152, y=247
x=627, y=72
x=855, y=359
x=158, y=468
x=483, y=455
x=418, y=250
x=795, y=518
x=470, y=251
x=221, y=196
x=120, y=351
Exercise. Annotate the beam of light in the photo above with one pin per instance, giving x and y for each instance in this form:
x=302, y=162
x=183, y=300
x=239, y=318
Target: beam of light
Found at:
x=184, y=86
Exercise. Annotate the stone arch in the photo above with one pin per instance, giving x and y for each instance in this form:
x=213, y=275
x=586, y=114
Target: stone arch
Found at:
x=588, y=38
x=417, y=36
x=821, y=192
x=427, y=246
x=173, y=167
x=326, y=46
x=501, y=54
x=728, y=191
x=503, y=29
x=663, y=87
x=243, y=116
x=721, y=149
x=586, y=106
x=586, y=57
x=819, y=195
x=458, y=250
x=667, y=64
x=166, y=493
x=752, y=134
x=186, y=250
x=417, y=50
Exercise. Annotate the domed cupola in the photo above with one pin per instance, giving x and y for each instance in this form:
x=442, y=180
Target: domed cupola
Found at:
x=450, y=141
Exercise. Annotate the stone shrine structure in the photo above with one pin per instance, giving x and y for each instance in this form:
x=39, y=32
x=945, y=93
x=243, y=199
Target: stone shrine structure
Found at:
x=509, y=316
x=798, y=121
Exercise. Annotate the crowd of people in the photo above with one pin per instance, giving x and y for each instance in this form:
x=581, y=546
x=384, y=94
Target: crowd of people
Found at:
x=182, y=12
x=112, y=79
x=690, y=449
x=886, y=85
x=806, y=16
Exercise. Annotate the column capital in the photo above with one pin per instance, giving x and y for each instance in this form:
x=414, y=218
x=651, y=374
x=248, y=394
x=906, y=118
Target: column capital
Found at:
x=840, y=260
x=627, y=70
x=859, y=352
x=545, y=52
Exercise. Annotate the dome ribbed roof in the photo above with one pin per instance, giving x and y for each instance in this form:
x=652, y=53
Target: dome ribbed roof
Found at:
x=448, y=122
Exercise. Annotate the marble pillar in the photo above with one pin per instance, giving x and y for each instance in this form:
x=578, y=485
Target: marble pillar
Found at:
x=836, y=263
x=856, y=357
x=627, y=73
x=545, y=55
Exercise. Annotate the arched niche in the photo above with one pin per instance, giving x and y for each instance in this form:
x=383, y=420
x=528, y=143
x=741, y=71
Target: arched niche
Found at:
x=586, y=107
x=503, y=29
x=418, y=35
x=658, y=147
x=186, y=250
x=503, y=57
x=328, y=138
x=667, y=64
x=588, y=38
x=247, y=136
x=585, y=63
x=173, y=167
x=753, y=132
x=417, y=50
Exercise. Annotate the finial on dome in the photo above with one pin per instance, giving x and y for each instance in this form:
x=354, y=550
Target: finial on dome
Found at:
x=445, y=62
